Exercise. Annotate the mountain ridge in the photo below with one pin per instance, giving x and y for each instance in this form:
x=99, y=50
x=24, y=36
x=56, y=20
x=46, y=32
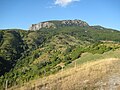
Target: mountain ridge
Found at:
x=26, y=55
x=58, y=23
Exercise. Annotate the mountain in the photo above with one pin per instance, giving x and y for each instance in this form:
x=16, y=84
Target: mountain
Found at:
x=58, y=23
x=49, y=47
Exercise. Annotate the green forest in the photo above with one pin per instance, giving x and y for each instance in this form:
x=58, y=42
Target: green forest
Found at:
x=27, y=55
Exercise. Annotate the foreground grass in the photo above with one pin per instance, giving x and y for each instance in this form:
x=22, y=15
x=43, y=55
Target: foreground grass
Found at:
x=97, y=73
x=84, y=77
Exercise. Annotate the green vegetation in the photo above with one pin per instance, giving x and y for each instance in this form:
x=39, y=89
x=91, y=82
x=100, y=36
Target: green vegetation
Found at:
x=87, y=57
x=28, y=55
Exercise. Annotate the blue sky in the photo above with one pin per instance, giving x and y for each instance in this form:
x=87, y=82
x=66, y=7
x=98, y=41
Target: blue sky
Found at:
x=23, y=13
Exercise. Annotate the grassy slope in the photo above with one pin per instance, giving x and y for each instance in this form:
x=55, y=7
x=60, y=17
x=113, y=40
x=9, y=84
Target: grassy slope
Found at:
x=46, y=50
x=85, y=76
x=87, y=57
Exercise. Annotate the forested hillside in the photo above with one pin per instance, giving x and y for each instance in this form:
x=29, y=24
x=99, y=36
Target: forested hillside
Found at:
x=28, y=55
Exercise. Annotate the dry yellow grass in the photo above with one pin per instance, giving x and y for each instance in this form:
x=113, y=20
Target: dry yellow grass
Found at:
x=89, y=76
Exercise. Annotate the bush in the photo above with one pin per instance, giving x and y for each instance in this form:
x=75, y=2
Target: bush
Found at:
x=76, y=53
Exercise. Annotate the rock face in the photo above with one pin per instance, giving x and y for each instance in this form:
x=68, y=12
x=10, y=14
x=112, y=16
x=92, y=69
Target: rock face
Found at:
x=74, y=22
x=42, y=25
x=57, y=23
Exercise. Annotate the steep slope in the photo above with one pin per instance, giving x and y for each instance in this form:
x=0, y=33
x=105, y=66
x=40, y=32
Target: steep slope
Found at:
x=58, y=23
x=28, y=55
x=100, y=74
x=11, y=47
x=90, y=72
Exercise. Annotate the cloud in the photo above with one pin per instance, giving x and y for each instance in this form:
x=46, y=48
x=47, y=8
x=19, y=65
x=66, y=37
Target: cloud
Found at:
x=64, y=3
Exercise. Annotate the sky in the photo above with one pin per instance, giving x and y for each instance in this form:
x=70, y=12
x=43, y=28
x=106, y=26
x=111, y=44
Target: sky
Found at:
x=22, y=13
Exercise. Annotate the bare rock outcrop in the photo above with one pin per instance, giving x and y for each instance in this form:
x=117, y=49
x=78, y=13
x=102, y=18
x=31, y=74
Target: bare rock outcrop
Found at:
x=42, y=25
x=57, y=23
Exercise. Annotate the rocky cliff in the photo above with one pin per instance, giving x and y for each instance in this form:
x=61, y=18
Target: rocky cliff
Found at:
x=57, y=23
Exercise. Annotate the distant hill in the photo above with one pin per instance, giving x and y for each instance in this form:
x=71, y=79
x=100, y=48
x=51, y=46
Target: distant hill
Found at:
x=48, y=47
x=58, y=24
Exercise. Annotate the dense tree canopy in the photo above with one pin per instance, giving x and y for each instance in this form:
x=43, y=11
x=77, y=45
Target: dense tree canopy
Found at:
x=27, y=55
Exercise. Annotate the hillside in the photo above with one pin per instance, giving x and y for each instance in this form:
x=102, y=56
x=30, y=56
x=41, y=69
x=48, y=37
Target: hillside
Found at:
x=90, y=72
x=57, y=24
x=54, y=45
x=101, y=74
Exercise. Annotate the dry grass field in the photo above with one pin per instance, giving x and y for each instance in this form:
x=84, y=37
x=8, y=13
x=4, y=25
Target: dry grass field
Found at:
x=102, y=74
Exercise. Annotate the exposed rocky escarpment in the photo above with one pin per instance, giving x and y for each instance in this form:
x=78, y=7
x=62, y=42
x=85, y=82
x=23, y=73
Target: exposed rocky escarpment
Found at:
x=42, y=25
x=74, y=22
x=55, y=24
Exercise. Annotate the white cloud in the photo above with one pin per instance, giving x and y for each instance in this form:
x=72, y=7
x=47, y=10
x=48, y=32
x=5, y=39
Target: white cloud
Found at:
x=64, y=3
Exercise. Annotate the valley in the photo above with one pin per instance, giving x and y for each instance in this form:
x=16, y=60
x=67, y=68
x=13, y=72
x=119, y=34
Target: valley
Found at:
x=60, y=55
